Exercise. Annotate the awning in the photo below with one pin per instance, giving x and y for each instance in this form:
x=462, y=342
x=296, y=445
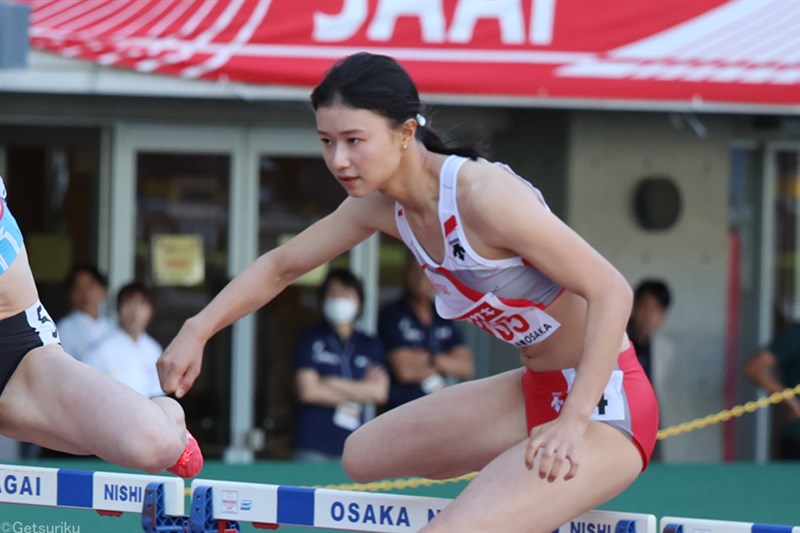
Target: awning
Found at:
x=699, y=53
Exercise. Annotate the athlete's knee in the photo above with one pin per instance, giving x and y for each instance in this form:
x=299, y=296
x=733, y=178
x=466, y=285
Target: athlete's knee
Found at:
x=157, y=449
x=356, y=458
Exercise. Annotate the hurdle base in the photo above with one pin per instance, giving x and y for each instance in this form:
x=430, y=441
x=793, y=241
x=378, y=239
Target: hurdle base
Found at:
x=202, y=518
x=263, y=525
x=115, y=514
x=154, y=519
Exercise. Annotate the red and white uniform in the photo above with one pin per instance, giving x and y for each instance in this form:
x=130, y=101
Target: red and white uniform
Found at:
x=508, y=298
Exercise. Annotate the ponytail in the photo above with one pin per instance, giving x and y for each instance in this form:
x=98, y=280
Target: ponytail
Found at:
x=434, y=143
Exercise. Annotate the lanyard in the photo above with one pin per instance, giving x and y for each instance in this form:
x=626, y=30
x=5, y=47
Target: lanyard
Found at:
x=345, y=353
x=431, y=340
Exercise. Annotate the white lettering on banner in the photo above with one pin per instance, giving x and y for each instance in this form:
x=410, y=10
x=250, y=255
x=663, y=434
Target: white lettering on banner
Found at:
x=430, y=13
x=340, y=27
x=508, y=15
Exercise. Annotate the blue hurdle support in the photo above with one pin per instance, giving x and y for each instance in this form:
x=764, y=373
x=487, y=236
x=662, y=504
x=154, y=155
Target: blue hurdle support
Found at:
x=154, y=517
x=673, y=524
x=105, y=492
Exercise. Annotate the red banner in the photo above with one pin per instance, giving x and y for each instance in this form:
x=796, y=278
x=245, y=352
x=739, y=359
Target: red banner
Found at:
x=694, y=51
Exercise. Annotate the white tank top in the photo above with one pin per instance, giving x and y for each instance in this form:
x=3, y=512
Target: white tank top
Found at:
x=505, y=297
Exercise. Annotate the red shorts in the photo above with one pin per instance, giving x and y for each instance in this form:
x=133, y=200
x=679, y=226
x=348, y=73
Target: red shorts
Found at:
x=628, y=402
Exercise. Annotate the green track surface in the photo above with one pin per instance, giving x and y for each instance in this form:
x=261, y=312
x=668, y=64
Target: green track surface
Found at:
x=741, y=492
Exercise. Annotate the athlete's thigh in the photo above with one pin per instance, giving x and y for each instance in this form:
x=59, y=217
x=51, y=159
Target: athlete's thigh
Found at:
x=456, y=430
x=60, y=403
x=506, y=496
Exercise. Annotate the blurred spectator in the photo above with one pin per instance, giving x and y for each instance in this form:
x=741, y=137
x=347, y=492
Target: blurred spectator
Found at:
x=85, y=326
x=774, y=368
x=651, y=300
x=337, y=371
x=127, y=353
x=424, y=352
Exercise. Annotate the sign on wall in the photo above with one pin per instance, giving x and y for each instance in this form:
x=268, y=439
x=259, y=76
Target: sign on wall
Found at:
x=698, y=52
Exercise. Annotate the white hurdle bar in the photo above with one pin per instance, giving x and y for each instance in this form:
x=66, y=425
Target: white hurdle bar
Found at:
x=105, y=492
x=366, y=511
x=674, y=524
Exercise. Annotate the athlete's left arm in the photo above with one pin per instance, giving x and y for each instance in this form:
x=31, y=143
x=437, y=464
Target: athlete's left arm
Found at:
x=507, y=215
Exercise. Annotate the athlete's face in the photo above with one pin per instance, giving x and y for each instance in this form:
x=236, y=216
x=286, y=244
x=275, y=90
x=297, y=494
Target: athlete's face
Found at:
x=360, y=147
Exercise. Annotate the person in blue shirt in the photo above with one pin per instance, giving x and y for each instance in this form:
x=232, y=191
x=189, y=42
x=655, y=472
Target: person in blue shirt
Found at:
x=337, y=370
x=424, y=352
x=774, y=368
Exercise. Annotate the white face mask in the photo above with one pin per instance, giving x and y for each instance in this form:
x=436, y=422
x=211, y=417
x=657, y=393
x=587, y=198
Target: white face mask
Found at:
x=340, y=311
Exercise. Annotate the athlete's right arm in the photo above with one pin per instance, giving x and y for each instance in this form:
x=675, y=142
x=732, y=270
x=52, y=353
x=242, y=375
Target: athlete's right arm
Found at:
x=354, y=221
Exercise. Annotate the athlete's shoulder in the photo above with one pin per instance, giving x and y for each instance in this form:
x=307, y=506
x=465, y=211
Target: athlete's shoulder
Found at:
x=487, y=187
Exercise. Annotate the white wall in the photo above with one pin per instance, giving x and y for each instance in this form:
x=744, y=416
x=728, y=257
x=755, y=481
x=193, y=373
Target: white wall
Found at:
x=609, y=153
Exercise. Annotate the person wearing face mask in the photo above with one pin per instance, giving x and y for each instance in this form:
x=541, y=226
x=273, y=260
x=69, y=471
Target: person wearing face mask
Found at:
x=424, y=352
x=337, y=370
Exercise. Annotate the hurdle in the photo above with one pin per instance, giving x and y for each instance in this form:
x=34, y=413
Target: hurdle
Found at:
x=108, y=493
x=268, y=506
x=219, y=506
x=674, y=524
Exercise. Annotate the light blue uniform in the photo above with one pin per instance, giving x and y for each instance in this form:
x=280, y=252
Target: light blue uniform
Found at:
x=10, y=234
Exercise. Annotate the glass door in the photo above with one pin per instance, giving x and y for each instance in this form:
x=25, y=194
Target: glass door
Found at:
x=295, y=189
x=173, y=221
x=785, y=162
x=779, y=279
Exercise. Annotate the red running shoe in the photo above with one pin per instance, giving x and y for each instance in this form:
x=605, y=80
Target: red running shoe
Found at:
x=191, y=460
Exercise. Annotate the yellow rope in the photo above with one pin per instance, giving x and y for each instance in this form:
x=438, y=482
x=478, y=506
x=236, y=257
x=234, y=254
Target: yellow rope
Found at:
x=722, y=416
x=727, y=414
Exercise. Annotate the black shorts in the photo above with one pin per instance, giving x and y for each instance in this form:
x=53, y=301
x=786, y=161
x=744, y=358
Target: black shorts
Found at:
x=22, y=333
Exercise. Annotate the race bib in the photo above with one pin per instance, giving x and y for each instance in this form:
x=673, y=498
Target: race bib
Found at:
x=612, y=403
x=520, y=326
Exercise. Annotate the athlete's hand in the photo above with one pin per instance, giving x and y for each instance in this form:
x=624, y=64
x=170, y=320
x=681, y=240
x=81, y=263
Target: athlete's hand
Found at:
x=556, y=443
x=180, y=363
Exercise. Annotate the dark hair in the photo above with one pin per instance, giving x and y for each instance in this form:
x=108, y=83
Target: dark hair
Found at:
x=655, y=287
x=346, y=278
x=131, y=289
x=92, y=270
x=378, y=83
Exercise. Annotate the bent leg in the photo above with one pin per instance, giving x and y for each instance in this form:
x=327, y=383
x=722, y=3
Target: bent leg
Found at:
x=506, y=496
x=58, y=402
x=453, y=431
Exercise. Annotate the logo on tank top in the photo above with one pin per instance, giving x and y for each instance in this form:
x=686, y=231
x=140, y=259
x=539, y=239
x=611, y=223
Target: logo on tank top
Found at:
x=458, y=250
x=558, y=401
